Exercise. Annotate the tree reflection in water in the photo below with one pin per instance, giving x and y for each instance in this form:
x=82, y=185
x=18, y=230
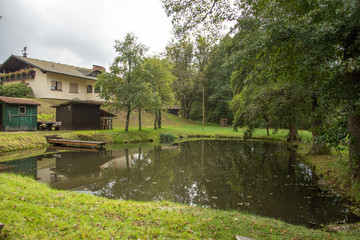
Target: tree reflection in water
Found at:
x=257, y=177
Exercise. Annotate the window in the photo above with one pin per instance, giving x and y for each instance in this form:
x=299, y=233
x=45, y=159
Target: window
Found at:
x=56, y=85
x=89, y=89
x=73, y=88
x=22, y=110
x=31, y=75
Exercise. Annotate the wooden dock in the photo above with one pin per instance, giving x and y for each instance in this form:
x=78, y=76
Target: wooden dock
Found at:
x=79, y=143
x=74, y=148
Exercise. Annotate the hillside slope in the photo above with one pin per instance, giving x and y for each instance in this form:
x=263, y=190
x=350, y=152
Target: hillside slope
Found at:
x=147, y=119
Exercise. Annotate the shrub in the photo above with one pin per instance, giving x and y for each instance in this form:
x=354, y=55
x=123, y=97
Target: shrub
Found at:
x=16, y=90
x=167, y=138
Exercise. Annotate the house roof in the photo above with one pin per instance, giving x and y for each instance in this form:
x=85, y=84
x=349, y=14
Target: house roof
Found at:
x=78, y=102
x=19, y=101
x=14, y=63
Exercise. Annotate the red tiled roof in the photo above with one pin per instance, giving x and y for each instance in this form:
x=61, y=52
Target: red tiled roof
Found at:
x=18, y=101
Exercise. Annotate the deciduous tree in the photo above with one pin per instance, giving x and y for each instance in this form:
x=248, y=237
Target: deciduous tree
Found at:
x=157, y=72
x=123, y=86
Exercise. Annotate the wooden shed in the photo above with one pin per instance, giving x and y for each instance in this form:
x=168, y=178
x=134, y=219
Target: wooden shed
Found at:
x=78, y=115
x=106, y=119
x=18, y=114
x=173, y=110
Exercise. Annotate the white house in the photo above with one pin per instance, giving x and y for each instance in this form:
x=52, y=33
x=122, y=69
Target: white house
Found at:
x=51, y=80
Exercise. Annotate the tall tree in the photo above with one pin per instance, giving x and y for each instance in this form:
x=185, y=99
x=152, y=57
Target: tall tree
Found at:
x=157, y=72
x=123, y=86
x=181, y=55
x=218, y=87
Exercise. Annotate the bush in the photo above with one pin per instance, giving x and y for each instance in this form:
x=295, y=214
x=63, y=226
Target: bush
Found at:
x=166, y=138
x=16, y=90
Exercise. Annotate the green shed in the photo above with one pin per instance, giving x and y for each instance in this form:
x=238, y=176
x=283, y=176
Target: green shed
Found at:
x=18, y=114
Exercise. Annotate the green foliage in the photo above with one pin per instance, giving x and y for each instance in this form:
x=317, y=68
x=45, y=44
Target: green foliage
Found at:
x=167, y=138
x=199, y=15
x=18, y=90
x=123, y=86
x=46, y=117
x=157, y=72
x=185, y=86
x=276, y=105
x=218, y=92
x=189, y=59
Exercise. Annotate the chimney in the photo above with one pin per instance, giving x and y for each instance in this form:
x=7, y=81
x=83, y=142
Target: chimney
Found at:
x=98, y=68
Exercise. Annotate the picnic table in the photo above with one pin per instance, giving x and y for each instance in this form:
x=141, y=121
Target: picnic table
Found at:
x=48, y=125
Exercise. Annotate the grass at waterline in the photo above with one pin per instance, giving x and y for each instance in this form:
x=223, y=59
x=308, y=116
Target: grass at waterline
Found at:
x=333, y=170
x=31, y=210
x=12, y=141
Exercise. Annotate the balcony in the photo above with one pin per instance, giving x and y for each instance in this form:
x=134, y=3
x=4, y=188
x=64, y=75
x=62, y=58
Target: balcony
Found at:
x=21, y=75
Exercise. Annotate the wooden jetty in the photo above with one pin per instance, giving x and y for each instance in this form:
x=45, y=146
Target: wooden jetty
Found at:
x=79, y=143
x=74, y=148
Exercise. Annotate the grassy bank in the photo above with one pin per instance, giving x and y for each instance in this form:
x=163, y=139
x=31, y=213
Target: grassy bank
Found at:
x=32, y=210
x=333, y=170
x=11, y=141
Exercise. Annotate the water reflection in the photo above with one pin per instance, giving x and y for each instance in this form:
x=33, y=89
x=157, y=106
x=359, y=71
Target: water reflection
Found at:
x=257, y=177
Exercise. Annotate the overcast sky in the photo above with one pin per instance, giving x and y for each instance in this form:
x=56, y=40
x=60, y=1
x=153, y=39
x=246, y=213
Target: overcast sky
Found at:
x=79, y=32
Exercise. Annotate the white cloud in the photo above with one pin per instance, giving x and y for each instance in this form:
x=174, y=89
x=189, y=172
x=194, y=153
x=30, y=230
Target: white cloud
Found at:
x=79, y=32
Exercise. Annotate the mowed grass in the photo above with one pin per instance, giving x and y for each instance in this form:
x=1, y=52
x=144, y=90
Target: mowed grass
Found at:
x=31, y=210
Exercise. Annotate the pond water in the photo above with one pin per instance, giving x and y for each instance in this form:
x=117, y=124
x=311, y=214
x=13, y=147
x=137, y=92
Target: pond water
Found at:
x=257, y=177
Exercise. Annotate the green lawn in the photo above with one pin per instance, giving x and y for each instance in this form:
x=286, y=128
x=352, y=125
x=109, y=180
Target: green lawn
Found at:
x=31, y=210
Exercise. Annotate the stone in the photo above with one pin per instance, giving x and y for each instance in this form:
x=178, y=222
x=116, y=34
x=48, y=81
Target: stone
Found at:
x=242, y=238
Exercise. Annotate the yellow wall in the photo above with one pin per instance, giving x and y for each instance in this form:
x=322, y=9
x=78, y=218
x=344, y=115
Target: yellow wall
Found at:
x=41, y=86
x=65, y=93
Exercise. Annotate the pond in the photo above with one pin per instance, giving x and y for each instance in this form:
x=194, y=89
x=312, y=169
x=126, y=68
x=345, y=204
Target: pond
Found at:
x=261, y=178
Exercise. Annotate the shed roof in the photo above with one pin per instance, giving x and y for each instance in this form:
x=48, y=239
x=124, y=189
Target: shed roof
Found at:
x=105, y=113
x=13, y=63
x=173, y=107
x=78, y=102
x=18, y=101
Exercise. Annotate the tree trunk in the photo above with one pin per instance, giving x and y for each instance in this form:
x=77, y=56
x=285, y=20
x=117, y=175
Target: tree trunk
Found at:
x=352, y=50
x=186, y=107
x=139, y=119
x=354, y=125
x=159, y=119
x=354, y=146
x=293, y=134
x=318, y=147
x=156, y=117
x=267, y=131
x=128, y=118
